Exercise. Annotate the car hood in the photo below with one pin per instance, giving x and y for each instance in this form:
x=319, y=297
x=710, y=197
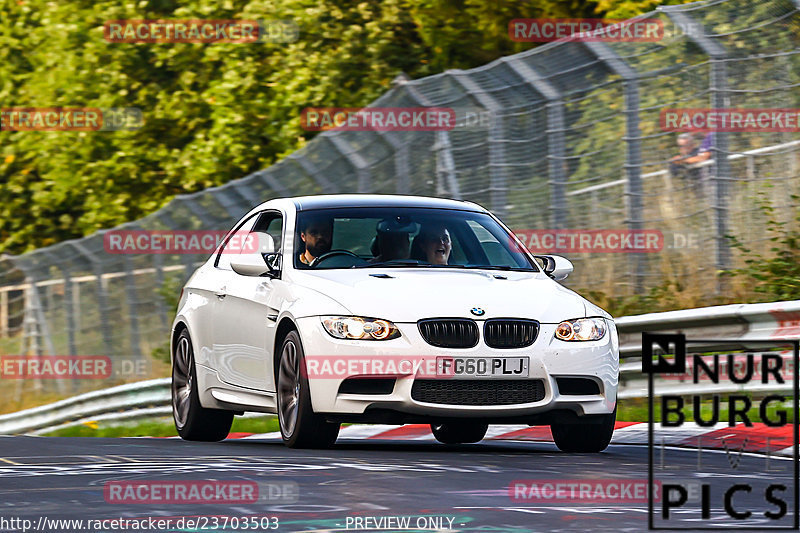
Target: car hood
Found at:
x=411, y=294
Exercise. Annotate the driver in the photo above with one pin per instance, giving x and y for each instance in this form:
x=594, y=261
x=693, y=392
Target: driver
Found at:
x=317, y=234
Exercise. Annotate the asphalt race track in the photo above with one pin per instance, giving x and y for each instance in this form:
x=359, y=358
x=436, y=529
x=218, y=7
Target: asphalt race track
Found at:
x=64, y=478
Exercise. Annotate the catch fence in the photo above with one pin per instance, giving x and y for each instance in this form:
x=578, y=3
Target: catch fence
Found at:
x=565, y=136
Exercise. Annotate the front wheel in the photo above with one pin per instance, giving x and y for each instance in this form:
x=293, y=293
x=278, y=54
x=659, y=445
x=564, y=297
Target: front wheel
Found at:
x=192, y=420
x=459, y=432
x=587, y=437
x=300, y=426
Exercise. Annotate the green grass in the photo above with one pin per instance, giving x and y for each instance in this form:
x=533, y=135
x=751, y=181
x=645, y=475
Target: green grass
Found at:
x=635, y=410
x=161, y=427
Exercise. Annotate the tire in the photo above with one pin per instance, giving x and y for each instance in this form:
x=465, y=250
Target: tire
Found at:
x=192, y=420
x=300, y=426
x=459, y=432
x=585, y=438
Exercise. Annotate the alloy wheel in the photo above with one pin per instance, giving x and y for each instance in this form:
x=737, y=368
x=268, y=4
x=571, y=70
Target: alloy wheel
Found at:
x=181, y=381
x=288, y=388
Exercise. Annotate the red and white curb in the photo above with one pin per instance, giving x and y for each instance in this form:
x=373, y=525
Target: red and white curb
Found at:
x=756, y=439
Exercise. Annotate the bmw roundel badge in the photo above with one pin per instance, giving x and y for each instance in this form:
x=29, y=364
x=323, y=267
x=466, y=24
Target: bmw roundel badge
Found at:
x=477, y=311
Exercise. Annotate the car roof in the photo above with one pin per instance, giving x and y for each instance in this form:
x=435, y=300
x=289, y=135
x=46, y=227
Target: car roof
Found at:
x=380, y=200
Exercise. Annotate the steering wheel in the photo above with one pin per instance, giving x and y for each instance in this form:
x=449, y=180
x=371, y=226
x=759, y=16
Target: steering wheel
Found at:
x=334, y=253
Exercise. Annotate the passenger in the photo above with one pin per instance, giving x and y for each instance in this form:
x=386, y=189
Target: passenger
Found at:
x=433, y=245
x=317, y=234
x=392, y=239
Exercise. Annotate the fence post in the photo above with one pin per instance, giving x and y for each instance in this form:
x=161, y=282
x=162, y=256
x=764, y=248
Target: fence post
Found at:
x=3, y=313
x=30, y=333
x=245, y=192
x=76, y=304
x=102, y=296
x=161, y=309
x=189, y=201
x=40, y=320
x=633, y=155
x=69, y=310
x=556, y=145
x=354, y=158
x=273, y=182
x=40, y=328
x=311, y=169
x=235, y=203
x=133, y=314
x=186, y=259
x=722, y=169
x=718, y=86
x=446, y=179
x=401, y=168
x=400, y=147
x=498, y=186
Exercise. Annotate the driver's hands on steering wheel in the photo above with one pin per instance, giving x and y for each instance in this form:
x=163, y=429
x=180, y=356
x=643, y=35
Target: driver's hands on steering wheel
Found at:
x=332, y=253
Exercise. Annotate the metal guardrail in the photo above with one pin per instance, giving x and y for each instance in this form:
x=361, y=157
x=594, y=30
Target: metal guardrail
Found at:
x=115, y=403
x=741, y=322
x=767, y=321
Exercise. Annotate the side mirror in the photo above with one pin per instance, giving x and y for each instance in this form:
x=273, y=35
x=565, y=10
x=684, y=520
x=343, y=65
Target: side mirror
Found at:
x=555, y=266
x=249, y=264
x=265, y=242
x=258, y=258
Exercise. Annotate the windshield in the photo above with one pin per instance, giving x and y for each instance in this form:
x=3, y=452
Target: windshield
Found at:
x=405, y=237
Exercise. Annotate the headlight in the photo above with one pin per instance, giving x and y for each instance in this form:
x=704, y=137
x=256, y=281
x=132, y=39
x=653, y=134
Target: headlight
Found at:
x=356, y=327
x=581, y=329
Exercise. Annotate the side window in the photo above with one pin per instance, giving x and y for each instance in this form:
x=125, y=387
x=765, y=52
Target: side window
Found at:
x=271, y=222
x=232, y=246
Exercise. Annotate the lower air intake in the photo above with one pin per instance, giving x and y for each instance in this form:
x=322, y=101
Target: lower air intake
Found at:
x=478, y=391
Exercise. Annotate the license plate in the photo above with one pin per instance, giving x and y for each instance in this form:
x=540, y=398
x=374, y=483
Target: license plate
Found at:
x=480, y=367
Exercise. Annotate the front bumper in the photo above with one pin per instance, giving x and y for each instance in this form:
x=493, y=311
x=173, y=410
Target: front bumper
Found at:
x=549, y=358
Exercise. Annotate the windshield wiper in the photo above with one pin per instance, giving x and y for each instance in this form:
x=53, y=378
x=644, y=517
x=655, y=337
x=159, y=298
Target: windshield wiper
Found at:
x=503, y=268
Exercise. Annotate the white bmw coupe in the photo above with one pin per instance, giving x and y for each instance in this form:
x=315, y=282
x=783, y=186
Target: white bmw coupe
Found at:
x=393, y=310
